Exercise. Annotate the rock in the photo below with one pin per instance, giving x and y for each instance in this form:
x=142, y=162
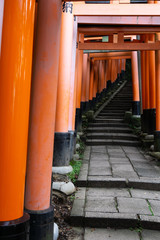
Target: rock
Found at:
x=62, y=170
x=77, y=146
x=128, y=116
x=80, y=133
x=152, y=148
x=67, y=188
x=136, y=120
x=56, y=232
x=149, y=137
x=76, y=157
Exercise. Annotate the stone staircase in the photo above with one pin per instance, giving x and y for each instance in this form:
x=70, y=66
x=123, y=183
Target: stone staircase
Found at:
x=109, y=128
x=118, y=195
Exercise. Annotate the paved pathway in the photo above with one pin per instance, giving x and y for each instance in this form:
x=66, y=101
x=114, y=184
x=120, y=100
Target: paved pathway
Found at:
x=119, y=185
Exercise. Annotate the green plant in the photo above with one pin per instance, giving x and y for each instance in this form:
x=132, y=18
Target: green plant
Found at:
x=76, y=165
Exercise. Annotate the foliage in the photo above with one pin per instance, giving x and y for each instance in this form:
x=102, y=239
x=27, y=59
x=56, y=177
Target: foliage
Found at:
x=76, y=165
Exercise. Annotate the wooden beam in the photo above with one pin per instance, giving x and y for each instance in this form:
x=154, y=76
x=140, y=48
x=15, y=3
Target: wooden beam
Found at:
x=120, y=46
x=110, y=54
x=107, y=58
x=119, y=20
x=81, y=9
x=107, y=30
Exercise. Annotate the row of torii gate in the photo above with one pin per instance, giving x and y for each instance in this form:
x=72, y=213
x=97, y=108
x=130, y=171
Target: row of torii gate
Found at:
x=45, y=41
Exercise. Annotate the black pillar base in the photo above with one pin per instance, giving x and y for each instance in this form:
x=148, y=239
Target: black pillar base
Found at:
x=83, y=107
x=142, y=123
x=61, y=155
x=149, y=121
x=90, y=104
x=78, y=120
x=72, y=143
x=109, y=84
x=146, y=120
x=87, y=106
x=16, y=229
x=41, y=224
x=152, y=120
x=94, y=102
x=157, y=141
x=136, y=108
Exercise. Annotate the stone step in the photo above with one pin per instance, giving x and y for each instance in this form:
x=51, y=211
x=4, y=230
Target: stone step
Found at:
x=105, y=142
x=108, y=130
x=116, y=208
x=110, y=116
x=97, y=120
x=116, y=136
x=113, y=111
x=115, y=114
x=108, y=124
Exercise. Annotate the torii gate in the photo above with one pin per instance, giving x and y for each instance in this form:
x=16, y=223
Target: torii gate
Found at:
x=17, y=40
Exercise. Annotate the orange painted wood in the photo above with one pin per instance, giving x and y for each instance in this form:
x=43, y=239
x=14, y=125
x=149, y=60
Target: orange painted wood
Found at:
x=64, y=76
x=152, y=77
x=84, y=77
x=143, y=80
x=79, y=73
x=91, y=79
x=147, y=78
x=82, y=9
x=109, y=54
x=43, y=106
x=119, y=46
x=158, y=88
x=135, y=78
x=15, y=72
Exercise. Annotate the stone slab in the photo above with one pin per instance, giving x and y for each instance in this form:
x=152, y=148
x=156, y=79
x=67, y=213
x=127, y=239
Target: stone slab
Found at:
x=155, y=205
x=98, y=149
x=110, y=234
x=78, y=208
x=152, y=173
x=119, y=160
x=125, y=174
x=150, y=235
x=124, y=167
x=150, y=222
x=80, y=193
x=96, y=193
x=133, y=205
x=101, y=205
x=99, y=171
x=102, y=164
x=145, y=194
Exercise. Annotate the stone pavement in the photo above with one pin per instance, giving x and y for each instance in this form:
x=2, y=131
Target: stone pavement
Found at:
x=118, y=193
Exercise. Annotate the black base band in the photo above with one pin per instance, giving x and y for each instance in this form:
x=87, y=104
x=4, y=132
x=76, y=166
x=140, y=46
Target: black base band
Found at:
x=78, y=120
x=41, y=224
x=61, y=155
x=16, y=229
x=157, y=141
x=149, y=121
x=136, y=108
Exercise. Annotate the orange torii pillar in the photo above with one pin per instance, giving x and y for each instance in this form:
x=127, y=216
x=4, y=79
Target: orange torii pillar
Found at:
x=109, y=70
x=15, y=75
x=61, y=156
x=73, y=89
x=79, y=68
x=146, y=111
x=87, y=84
x=42, y=119
x=84, y=82
x=91, y=83
x=95, y=82
x=157, y=132
x=123, y=68
x=135, y=85
x=143, y=82
x=152, y=89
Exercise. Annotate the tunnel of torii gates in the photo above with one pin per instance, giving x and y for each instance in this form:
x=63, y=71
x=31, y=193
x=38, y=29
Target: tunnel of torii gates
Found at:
x=59, y=46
